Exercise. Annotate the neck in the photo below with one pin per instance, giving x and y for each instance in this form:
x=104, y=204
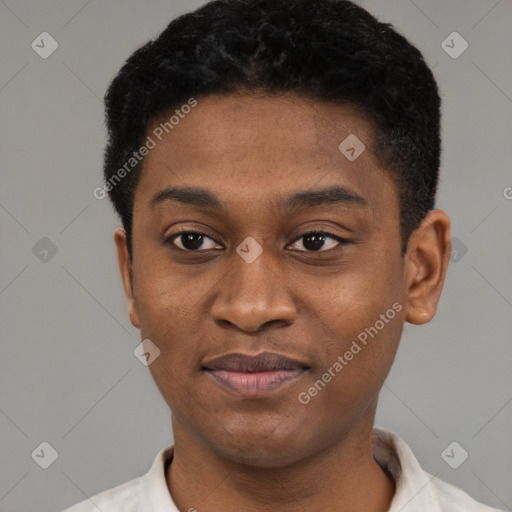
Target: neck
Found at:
x=345, y=477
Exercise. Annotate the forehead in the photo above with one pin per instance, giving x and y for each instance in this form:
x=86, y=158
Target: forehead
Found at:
x=297, y=126
x=249, y=149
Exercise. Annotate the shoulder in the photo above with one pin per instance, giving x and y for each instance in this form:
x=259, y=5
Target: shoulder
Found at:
x=146, y=492
x=417, y=489
x=454, y=499
x=123, y=498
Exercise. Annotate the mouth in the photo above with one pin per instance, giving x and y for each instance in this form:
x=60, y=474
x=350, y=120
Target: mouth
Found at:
x=254, y=376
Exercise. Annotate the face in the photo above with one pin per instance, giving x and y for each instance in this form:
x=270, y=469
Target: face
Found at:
x=253, y=232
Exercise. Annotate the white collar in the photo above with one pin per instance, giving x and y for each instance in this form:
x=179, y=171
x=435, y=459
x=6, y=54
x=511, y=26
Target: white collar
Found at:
x=416, y=490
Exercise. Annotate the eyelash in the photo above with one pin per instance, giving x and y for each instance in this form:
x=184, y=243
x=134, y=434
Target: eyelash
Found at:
x=170, y=240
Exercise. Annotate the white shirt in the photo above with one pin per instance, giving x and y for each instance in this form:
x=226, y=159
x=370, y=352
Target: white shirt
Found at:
x=416, y=490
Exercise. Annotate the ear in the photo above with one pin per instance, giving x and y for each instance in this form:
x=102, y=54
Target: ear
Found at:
x=125, y=268
x=426, y=263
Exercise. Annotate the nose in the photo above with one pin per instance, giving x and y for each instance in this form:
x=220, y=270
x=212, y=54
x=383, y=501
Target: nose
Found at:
x=253, y=296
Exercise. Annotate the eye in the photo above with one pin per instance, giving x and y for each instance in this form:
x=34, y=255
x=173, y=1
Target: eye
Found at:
x=191, y=241
x=314, y=241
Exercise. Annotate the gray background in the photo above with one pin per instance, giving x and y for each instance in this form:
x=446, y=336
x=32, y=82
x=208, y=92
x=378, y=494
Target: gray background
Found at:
x=68, y=375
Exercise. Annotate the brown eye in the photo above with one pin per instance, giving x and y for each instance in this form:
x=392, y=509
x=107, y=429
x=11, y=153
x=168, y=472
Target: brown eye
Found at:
x=312, y=241
x=319, y=241
x=192, y=241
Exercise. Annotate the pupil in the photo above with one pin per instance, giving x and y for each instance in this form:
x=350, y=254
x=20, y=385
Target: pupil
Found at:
x=317, y=241
x=189, y=242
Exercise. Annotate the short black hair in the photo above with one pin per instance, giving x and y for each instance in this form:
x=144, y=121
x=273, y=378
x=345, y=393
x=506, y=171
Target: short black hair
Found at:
x=327, y=50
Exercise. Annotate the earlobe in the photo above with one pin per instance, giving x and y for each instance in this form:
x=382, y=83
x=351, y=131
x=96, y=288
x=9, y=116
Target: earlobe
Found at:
x=426, y=264
x=125, y=269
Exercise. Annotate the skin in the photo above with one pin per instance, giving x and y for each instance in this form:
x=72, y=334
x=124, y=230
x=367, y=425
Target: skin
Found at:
x=274, y=452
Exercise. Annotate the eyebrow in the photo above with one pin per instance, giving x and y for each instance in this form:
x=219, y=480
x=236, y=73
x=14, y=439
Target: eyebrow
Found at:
x=202, y=198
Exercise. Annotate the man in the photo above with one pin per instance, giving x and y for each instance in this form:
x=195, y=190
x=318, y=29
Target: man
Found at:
x=275, y=164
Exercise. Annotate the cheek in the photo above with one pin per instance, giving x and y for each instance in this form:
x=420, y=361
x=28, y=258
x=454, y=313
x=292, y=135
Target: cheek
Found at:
x=361, y=320
x=173, y=310
x=168, y=310
x=355, y=298
x=170, y=317
x=165, y=294
x=355, y=365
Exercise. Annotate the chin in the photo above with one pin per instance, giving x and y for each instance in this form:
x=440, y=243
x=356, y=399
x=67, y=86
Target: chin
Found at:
x=260, y=458
x=262, y=448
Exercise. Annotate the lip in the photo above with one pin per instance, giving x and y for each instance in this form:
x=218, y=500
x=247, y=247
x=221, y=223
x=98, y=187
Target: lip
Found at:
x=254, y=375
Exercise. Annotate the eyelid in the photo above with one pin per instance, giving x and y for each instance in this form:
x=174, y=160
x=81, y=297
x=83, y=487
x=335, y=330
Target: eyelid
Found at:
x=321, y=232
